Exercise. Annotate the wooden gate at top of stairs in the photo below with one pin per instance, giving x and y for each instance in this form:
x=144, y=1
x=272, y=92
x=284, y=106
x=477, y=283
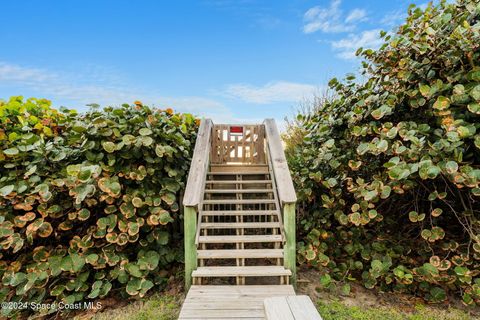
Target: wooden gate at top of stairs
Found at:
x=239, y=207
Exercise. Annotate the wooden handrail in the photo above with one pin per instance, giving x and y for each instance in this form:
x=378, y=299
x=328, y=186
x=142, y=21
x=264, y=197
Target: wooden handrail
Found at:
x=199, y=166
x=193, y=196
x=286, y=192
x=275, y=196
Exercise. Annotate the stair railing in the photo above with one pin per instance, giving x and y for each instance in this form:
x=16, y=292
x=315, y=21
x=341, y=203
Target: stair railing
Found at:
x=285, y=191
x=275, y=196
x=193, y=197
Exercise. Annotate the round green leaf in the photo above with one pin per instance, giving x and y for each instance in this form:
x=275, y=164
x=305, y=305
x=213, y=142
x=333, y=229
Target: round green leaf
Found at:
x=145, y=131
x=11, y=151
x=109, y=146
x=6, y=190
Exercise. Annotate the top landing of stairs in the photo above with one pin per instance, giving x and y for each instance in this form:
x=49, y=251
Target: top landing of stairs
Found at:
x=230, y=302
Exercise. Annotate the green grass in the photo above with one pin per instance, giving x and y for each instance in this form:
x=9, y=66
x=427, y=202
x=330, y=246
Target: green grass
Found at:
x=156, y=307
x=339, y=311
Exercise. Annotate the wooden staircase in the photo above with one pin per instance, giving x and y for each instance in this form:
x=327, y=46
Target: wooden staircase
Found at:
x=239, y=227
x=240, y=230
x=239, y=192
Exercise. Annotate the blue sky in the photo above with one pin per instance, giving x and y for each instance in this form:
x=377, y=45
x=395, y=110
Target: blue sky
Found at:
x=234, y=61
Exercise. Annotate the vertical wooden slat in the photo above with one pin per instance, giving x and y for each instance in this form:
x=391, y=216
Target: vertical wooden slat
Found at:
x=235, y=148
x=289, y=260
x=254, y=139
x=218, y=149
x=229, y=144
x=222, y=145
x=190, y=228
x=244, y=137
x=261, y=144
x=213, y=151
x=252, y=144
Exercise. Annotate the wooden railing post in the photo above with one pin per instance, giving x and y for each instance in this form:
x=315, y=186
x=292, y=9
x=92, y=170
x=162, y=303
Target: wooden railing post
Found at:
x=290, y=252
x=286, y=194
x=190, y=228
x=192, y=200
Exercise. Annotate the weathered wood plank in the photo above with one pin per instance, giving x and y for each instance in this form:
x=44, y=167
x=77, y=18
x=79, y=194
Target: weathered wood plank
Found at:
x=235, y=225
x=221, y=154
x=232, y=201
x=240, y=253
x=251, y=169
x=239, y=239
x=302, y=308
x=241, y=213
x=238, y=190
x=277, y=308
x=190, y=228
x=198, y=167
x=221, y=313
x=286, y=192
x=251, y=147
x=290, y=307
x=244, y=271
x=207, y=318
x=237, y=181
x=289, y=260
x=277, y=290
x=238, y=165
x=229, y=305
x=244, y=173
x=230, y=302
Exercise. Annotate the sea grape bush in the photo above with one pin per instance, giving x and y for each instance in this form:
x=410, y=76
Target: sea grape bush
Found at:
x=89, y=202
x=388, y=169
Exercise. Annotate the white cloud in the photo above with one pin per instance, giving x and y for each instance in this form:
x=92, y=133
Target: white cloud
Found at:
x=356, y=15
x=15, y=73
x=393, y=18
x=279, y=91
x=330, y=19
x=366, y=39
x=98, y=85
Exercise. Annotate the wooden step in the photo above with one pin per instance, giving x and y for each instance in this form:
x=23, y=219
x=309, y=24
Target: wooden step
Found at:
x=239, y=225
x=240, y=253
x=240, y=239
x=246, y=271
x=234, y=201
x=240, y=168
x=241, y=165
x=237, y=181
x=233, y=173
x=238, y=190
x=239, y=212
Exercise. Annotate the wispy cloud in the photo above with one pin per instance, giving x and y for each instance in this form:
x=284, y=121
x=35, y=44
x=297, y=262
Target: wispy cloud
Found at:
x=19, y=74
x=258, y=14
x=356, y=15
x=393, y=18
x=332, y=19
x=100, y=86
x=279, y=91
x=346, y=47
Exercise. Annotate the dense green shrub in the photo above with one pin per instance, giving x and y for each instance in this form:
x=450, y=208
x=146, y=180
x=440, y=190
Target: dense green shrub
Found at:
x=389, y=168
x=89, y=202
